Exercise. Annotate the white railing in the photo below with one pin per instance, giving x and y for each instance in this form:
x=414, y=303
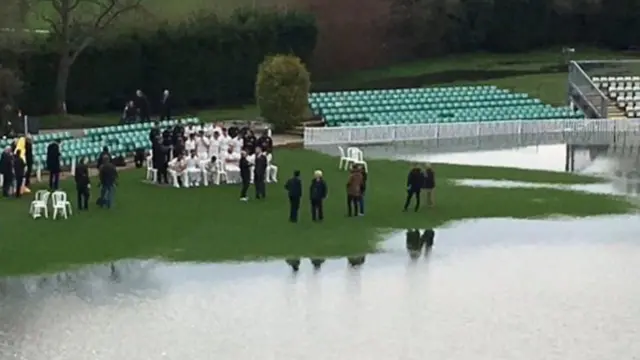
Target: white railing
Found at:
x=578, y=131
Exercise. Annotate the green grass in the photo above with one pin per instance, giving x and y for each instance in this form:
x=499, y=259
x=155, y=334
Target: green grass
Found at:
x=210, y=224
x=521, y=70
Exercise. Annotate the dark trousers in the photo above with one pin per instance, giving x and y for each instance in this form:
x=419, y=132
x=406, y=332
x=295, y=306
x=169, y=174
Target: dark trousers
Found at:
x=294, y=206
x=27, y=175
x=6, y=185
x=244, y=189
x=353, y=203
x=19, y=180
x=163, y=174
x=83, y=197
x=261, y=188
x=317, y=213
x=412, y=193
x=361, y=201
x=54, y=178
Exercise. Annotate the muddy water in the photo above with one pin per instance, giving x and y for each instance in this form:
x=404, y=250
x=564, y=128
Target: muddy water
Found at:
x=489, y=289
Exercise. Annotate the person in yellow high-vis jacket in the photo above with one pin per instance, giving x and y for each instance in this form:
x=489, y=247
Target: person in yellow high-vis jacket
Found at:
x=22, y=146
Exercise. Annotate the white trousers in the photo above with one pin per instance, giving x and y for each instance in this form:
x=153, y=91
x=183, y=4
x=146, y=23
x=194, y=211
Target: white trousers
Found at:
x=182, y=175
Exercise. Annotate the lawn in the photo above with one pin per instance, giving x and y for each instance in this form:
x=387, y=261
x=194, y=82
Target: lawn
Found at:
x=210, y=224
x=541, y=74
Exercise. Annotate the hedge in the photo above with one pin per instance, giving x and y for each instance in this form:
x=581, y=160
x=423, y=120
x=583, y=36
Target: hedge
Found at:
x=207, y=61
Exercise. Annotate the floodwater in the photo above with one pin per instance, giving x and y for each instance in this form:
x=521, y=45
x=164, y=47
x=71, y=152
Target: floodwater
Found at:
x=489, y=289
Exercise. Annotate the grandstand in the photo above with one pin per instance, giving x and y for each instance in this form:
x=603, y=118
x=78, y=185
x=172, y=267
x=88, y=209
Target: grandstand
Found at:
x=122, y=140
x=431, y=105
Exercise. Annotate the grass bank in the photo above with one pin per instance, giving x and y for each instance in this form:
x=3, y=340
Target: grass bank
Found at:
x=542, y=74
x=210, y=224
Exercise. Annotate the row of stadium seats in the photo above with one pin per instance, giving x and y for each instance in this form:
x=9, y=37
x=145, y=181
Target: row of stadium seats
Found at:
x=117, y=129
x=623, y=90
x=430, y=105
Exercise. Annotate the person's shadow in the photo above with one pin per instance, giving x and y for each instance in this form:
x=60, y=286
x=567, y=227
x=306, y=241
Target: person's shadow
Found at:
x=416, y=242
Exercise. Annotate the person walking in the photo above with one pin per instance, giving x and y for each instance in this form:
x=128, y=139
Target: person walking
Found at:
x=354, y=188
x=19, y=167
x=82, y=180
x=294, y=190
x=429, y=183
x=415, y=182
x=108, y=175
x=318, y=191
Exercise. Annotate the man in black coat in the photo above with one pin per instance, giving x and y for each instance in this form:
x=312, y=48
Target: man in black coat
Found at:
x=294, y=189
x=19, y=167
x=318, y=191
x=108, y=176
x=245, y=175
x=82, y=184
x=28, y=148
x=165, y=106
x=142, y=103
x=105, y=154
x=249, y=141
x=415, y=182
x=53, y=164
x=160, y=160
x=6, y=169
x=265, y=142
x=259, y=174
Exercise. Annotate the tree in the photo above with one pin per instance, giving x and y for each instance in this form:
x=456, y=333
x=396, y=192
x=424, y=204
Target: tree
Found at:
x=282, y=91
x=74, y=26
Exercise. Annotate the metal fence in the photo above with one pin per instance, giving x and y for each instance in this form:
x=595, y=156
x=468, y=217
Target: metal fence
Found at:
x=580, y=85
x=481, y=135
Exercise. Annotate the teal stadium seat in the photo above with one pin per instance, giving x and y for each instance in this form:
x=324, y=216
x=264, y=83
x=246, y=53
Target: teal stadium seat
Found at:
x=430, y=105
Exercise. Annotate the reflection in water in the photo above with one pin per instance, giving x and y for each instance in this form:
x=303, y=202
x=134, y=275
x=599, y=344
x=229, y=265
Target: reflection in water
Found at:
x=416, y=242
x=317, y=263
x=356, y=261
x=294, y=263
x=534, y=289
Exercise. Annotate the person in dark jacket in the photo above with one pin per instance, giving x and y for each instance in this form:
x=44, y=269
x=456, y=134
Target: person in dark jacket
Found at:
x=259, y=174
x=415, y=182
x=294, y=190
x=142, y=103
x=245, y=175
x=6, y=169
x=249, y=141
x=265, y=142
x=154, y=133
x=354, y=188
x=130, y=113
x=429, y=183
x=19, y=167
x=82, y=184
x=160, y=160
x=165, y=106
x=108, y=175
x=105, y=154
x=318, y=191
x=53, y=164
x=28, y=155
x=363, y=189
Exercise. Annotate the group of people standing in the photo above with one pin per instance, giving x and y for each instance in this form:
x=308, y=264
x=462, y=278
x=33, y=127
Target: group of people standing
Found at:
x=420, y=180
x=139, y=109
x=15, y=168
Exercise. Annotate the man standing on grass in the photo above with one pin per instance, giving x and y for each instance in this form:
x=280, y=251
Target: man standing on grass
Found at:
x=294, y=189
x=82, y=184
x=53, y=164
x=318, y=191
x=415, y=182
x=245, y=175
x=108, y=178
x=259, y=174
x=6, y=170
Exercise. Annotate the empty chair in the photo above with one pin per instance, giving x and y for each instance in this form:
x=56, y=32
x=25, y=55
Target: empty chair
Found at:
x=344, y=159
x=220, y=172
x=40, y=204
x=357, y=158
x=61, y=205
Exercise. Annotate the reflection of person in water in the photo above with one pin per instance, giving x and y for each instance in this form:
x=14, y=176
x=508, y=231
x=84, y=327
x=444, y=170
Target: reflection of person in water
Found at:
x=317, y=263
x=427, y=238
x=294, y=263
x=356, y=261
x=415, y=241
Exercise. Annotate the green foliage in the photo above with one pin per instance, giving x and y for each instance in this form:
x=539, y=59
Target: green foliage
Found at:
x=207, y=61
x=282, y=91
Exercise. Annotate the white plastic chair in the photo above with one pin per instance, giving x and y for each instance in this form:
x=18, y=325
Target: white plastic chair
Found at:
x=358, y=158
x=344, y=159
x=152, y=174
x=221, y=172
x=40, y=204
x=61, y=205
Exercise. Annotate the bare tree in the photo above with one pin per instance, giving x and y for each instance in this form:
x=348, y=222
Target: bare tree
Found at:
x=74, y=25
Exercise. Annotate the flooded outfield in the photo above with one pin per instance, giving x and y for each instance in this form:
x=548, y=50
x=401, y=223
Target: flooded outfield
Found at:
x=490, y=289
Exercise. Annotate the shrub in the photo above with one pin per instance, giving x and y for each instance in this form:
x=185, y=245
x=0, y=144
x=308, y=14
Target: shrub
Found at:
x=282, y=91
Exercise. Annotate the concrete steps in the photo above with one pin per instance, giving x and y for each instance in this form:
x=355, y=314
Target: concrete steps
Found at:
x=615, y=113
